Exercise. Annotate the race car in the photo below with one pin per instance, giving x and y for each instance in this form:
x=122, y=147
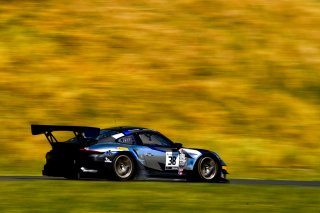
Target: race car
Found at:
x=126, y=153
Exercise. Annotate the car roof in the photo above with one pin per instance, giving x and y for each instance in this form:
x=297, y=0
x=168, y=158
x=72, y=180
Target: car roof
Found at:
x=131, y=129
x=127, y=128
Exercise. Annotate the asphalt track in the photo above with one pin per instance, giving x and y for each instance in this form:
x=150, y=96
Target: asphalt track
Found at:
x=232, y=181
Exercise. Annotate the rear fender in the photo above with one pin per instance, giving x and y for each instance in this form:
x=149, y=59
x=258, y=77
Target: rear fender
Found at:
x=117, y=153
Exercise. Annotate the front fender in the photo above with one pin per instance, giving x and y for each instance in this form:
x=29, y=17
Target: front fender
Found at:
x=197, y=154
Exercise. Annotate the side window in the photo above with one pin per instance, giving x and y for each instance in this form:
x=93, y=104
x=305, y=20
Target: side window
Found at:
x=106, y=136
x=127, y=140
x=154, y=139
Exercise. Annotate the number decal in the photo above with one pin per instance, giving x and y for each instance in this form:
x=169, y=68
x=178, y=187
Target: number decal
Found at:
x=172, y=160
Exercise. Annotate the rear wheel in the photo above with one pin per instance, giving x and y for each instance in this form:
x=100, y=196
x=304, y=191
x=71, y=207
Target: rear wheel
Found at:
x=73, y=172
x=74, y=176
x=123, y=167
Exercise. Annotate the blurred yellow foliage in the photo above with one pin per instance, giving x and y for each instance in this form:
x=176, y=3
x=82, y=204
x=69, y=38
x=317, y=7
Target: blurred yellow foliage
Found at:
x=238, y=77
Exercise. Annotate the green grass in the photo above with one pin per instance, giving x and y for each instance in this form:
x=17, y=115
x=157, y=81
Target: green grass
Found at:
x=241, y=78
x=103, y=196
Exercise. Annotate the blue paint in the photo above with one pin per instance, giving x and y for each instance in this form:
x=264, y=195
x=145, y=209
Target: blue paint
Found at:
x=156, y=148
x=127, y=132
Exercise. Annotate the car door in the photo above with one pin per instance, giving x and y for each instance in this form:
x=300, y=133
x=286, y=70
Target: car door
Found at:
x=160, y=152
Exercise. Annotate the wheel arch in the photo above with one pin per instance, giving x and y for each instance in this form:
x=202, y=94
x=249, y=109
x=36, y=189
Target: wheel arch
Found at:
x=130, y=154
x=209, y=154
x=205, y=153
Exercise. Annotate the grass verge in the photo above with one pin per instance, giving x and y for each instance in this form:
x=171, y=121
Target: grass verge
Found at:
x=105, y=196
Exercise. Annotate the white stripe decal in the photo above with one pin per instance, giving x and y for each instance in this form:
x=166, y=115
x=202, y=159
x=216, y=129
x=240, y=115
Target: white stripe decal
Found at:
x=119, y=135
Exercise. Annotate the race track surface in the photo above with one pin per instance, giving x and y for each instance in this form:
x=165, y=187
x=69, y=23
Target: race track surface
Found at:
x=232, y=181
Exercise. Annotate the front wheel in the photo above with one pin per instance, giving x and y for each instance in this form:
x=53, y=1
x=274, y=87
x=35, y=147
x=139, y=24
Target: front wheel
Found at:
x=123, y=168
x=207, y=169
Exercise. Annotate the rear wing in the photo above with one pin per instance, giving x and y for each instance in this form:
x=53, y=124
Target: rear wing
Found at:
x=80, y=132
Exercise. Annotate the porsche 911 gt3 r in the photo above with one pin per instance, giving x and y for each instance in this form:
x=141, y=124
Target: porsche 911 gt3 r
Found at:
x=123, y=153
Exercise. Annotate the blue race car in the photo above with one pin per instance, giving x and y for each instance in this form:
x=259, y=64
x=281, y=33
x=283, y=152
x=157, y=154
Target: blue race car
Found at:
x=125, y=153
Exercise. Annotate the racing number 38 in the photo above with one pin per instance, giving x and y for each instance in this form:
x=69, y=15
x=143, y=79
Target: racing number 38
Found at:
x=172, y=160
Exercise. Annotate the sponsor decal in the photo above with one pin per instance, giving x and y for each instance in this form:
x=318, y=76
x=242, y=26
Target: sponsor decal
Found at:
x=107, y=160
x=122, y=148
x=182, y=163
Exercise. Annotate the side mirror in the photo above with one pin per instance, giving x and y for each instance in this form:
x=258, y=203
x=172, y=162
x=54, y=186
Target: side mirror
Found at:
x=178, y=145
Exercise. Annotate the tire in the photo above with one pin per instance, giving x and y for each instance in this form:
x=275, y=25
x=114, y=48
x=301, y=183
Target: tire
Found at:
x=123, y=168
x=73, y=172
x=207, y=169
x=74, y=176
